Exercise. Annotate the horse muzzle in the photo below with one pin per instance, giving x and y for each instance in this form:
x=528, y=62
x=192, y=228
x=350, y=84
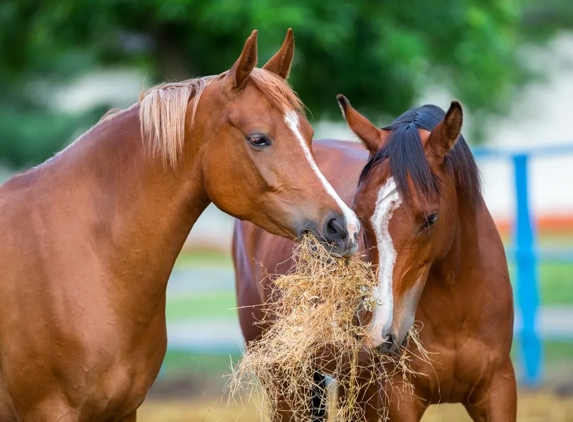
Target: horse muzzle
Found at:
x=336, y=235
x=340, y=236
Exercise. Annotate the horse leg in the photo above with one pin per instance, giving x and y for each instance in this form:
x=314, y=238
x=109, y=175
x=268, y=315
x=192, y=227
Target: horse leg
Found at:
x=289, y=408
x=59, y=411
x=498, y=401
x=402, y=406
x=367, y=399
x=56, y=409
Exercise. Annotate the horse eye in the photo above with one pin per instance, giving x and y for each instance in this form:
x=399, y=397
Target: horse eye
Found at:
x=258, y=140
x=430, y=220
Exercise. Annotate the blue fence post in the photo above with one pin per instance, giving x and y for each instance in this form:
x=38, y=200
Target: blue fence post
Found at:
x=527, y=277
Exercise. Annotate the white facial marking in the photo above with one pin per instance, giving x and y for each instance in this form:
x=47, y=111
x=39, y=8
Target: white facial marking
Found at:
x=352, y=223
x=387, y=202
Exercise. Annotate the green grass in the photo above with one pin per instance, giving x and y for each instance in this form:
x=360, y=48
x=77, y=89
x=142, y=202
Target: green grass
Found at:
x=547, y=238
x=556, y=288
x=555, y=279
x=203, y=259
x=177, y=363
x=558, y=358
x=557, y=352
x=556, y=283
x=201, y=305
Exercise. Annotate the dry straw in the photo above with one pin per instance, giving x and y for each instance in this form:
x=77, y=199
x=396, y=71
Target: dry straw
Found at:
x=315, y=310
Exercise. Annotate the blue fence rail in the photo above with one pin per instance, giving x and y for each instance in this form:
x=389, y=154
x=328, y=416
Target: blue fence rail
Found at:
x=526, y=253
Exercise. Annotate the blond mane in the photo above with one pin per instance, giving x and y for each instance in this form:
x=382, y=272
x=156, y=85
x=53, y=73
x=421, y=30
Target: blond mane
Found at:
x=163, y=108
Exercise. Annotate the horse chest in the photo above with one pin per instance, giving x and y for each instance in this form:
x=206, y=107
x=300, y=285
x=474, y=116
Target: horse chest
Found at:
x=124, y=385
x=459, y=363
x=100, y=377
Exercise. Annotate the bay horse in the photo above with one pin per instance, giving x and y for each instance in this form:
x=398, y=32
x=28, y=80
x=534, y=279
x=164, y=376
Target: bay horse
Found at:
x=89, y=238
x=438, y=256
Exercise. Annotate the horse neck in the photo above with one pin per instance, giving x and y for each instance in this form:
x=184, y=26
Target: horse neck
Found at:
x=145, y=209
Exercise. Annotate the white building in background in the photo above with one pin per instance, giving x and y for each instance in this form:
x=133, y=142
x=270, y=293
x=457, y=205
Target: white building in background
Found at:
x=543, y=116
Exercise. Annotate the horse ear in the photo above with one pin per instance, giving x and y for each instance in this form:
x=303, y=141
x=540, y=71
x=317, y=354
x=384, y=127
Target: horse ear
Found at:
x=446, y=133
x=281, y=62
x=372, y=137
x=238, y=75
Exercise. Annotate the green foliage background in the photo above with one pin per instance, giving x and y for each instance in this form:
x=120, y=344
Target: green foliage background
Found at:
x=380, y=54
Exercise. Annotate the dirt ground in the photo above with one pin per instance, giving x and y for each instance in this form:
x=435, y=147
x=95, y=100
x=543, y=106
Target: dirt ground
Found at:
x=533, y=407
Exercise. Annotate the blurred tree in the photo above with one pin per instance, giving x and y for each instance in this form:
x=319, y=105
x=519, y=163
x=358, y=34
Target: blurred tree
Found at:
x=382, y=54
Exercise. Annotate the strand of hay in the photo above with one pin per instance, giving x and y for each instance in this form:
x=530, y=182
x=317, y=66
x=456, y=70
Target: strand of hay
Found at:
x=316, y=308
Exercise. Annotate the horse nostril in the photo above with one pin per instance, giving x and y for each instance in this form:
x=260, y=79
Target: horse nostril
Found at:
x=334, y=227
x=335, y=230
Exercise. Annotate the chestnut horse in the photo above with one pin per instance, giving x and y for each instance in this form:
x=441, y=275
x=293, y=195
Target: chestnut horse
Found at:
x=439, y=260
x=89, y=238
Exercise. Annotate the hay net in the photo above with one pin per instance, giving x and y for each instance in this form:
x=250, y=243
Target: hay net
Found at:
x=313, y=325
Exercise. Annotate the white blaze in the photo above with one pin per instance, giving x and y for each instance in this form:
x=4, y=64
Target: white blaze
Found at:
x=387, y=202
x=352, y=223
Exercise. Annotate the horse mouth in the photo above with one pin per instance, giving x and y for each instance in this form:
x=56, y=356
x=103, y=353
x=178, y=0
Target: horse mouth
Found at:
x=330, y=247
x=337, y=250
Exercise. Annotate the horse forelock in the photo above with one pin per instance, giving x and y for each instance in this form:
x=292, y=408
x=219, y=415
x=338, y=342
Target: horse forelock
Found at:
x=405, y=154
x=277, y=91
x=163, y=108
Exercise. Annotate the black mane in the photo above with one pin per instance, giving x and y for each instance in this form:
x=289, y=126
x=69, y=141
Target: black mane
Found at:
x=405, y=154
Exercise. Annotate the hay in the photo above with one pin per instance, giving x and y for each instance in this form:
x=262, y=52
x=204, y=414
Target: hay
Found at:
x=316, y=310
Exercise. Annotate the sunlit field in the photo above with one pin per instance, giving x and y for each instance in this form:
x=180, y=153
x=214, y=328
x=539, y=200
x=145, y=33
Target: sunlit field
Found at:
x=538, y=407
